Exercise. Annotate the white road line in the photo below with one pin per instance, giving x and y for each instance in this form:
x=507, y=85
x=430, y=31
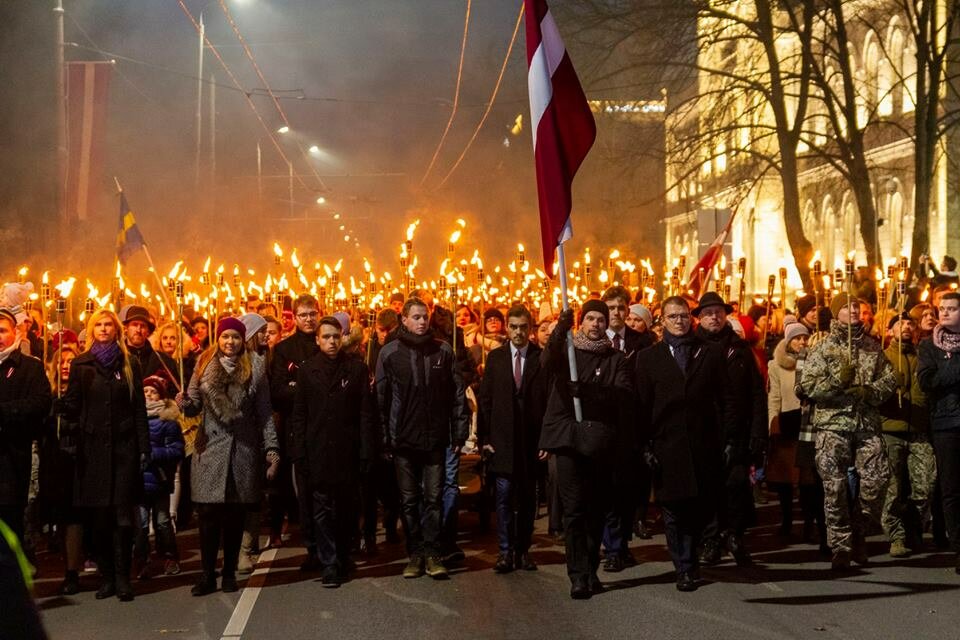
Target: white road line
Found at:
x=248, y=598
x=772, y=586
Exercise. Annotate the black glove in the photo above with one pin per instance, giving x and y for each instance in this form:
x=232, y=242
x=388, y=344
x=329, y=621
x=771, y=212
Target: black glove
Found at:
x=144, y=462
x=574, y=387
x=651, y=460
x=565, y=321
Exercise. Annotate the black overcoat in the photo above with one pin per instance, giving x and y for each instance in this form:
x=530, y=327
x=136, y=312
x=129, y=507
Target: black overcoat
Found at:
x=333, y=427
x=684, y=417
x=507, y=420
x=113, y=427
x=24, y=403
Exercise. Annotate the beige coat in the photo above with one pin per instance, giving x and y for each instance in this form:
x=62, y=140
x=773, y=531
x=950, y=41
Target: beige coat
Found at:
x=781, y=397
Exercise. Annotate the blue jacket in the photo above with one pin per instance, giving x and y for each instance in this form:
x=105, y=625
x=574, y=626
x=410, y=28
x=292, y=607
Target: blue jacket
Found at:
x=166, y=450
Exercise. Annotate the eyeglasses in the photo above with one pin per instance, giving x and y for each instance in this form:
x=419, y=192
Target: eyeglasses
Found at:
x=677, y=317
x=308, y=314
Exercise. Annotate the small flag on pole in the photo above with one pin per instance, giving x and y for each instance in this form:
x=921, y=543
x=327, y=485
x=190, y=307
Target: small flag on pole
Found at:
x=129, y=239
x=562, y=124
x=703, y=270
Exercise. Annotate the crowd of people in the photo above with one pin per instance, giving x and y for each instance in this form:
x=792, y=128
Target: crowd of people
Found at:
x=289, y=414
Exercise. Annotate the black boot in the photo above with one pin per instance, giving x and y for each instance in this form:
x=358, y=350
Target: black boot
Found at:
x=123, y=549
x=107, y=565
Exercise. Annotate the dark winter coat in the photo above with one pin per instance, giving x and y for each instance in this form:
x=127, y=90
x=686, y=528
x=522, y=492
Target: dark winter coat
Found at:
x=684, y=418
x=420, y=394
x=749, y=389
x=510, y=420
x=112, y=420
x=236, y=432
x=334, y=425
x=24, y=403
x=605, y=392
x=939, y=375
x=166, y=450
x=288, y=356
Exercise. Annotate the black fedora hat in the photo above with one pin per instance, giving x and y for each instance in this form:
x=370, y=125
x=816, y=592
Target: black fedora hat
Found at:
x=711, y=299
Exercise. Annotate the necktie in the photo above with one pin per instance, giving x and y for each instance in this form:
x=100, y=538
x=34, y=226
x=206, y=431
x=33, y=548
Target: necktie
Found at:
x=617, y=340
x=517, y=371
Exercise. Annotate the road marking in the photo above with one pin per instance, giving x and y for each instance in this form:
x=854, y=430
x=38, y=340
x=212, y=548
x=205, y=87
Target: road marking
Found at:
x=248, y=597
x=773, y=587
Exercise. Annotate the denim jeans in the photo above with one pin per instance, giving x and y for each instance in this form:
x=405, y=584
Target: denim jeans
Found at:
x=166, y=542
x=516, y=508
x=420, y=478
x=451, y=491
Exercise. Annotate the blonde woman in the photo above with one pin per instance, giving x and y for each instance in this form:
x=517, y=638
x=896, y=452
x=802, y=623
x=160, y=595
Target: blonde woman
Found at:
x=230, y=387
x=104, y=398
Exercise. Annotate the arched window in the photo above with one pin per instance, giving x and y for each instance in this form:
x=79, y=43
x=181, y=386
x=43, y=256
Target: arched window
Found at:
x=868, y=76
x=829, y=231
x=909, y=79
x=894, y=69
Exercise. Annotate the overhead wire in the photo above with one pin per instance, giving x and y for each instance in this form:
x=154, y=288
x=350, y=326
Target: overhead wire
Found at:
x=253, y=107
x=266, y=85
x=493, y=98
x=456, y=95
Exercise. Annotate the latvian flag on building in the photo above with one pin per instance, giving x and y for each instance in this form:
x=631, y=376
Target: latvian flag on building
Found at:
x=562, y=124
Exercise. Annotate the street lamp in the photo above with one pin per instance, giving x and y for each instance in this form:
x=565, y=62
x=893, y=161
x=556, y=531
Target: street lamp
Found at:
x=321, y=200
x=315, y=150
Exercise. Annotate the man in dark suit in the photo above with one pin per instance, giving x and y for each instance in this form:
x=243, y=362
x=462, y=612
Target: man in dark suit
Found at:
x=627, y=468
x=684, y=408
x=512, y=400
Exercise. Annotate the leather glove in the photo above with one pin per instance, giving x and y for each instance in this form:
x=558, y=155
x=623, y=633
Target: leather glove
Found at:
x=144, y=462
x=565, y=321
x=651, y=460
x=574, y=388
x=847, y=374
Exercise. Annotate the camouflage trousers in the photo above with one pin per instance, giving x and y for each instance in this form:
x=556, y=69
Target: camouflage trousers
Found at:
x=836, y=452
x=913, y=474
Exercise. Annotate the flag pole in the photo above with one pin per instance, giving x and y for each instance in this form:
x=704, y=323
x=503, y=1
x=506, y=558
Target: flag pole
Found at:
x=571, y=354
x=146, y=252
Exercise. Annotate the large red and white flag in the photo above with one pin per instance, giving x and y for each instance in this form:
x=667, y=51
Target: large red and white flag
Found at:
x=702, y=272
x=561, y=122
x=88, y=92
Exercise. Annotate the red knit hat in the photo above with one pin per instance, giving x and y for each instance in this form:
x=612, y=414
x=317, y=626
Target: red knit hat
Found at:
x=231, y=323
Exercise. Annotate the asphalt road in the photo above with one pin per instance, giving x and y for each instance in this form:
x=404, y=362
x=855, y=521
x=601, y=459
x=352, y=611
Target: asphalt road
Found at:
x=790, y=594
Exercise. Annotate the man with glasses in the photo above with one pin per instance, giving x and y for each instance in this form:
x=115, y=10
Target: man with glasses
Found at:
x=288, y=356
x=685, y=409
x=745, y=443
x=938, y=372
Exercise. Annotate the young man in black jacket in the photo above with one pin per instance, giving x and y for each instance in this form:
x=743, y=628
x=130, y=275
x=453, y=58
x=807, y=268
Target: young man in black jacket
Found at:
x=512, y=400
x=938, y=372
x=332, y=437
x=424, y=413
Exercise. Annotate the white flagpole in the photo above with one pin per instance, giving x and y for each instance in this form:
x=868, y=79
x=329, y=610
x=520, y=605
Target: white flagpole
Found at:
x=571, y=354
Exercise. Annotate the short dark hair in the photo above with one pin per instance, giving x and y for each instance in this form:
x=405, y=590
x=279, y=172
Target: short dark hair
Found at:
x=387, y=319
x=330, y=321
x=519, y=311
x=675, y=300
x=953, y=295
x=616, y=291
x=949, y=262
x=413, y=302
x=305, y=300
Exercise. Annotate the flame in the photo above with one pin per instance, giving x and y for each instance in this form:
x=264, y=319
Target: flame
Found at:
x=144, y=292
x=220, y=269
x=23, y=271
x=45, y=278
x=206, y=265
x=294, y=260
x=176, y=269
x=66, y=287
x=277, y=251
x=338, y=265
x=614, y=254
x=816, y=258
x=117, y=272
x=455, y=237
x=236, y=270
x=462, y=223
x=411, y=228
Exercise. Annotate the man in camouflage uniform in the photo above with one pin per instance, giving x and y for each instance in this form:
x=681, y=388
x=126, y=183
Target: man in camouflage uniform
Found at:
x=846, y=388
x=913, y=468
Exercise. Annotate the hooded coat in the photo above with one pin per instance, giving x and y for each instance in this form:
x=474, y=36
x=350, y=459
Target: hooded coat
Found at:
x=166, y=450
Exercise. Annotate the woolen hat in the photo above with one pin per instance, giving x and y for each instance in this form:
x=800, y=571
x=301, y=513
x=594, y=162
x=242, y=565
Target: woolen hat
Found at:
x=841, y=301
x=793, y=330
x=9, y=315
x=493, y=312
x=254, y=322
x=805, y=304
x=157, y=383
x=711, y=299
x=595, y=305
x=234, y=324
x=900, y=316
x=643, y=313
x=344, y=319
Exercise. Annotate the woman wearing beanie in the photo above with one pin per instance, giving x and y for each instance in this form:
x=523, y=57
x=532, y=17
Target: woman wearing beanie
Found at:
x=105, y=397
x=237, y=433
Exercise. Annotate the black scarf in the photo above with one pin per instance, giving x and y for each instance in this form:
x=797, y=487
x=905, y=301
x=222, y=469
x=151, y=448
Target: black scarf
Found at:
x=682, y=347
x=413, y=340
x=724, y=337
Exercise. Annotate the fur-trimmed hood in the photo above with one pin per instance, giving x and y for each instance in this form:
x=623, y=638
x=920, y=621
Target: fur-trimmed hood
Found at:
x=784, y=359
x=168, y=411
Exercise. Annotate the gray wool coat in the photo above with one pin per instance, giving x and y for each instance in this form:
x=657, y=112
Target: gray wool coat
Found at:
x=236, y=432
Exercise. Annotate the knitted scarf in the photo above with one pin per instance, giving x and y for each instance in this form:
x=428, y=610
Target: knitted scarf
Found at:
x=946, y=340
x=107, y=354
x=682, y=347
x=582, y=342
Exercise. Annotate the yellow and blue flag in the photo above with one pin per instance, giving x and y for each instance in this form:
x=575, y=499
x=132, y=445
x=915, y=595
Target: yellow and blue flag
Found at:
x=129, y=239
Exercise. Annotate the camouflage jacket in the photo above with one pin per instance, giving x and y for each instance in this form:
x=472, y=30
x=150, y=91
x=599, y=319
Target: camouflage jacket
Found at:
x=839, y=408
x=906, y=410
